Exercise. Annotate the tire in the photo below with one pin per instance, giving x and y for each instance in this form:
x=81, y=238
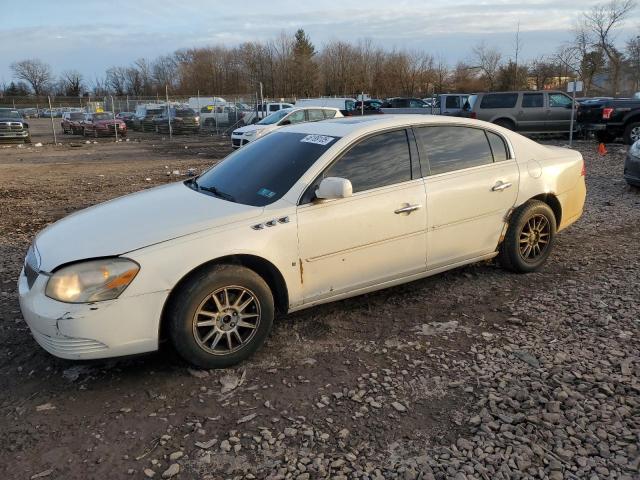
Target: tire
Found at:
x=27, y=139
x=631, y=133
x=513, y=254
x=604, y=137
x=216, y=344
x=505, y=123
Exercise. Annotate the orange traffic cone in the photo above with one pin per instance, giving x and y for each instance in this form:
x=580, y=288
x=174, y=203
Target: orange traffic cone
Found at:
x=602, y=150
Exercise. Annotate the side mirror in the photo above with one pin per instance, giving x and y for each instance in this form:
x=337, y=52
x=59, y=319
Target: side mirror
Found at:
x=334, y=187
x=285, y=122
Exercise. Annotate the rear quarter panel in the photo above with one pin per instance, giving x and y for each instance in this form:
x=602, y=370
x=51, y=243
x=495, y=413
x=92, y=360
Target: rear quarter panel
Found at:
x=551, y=170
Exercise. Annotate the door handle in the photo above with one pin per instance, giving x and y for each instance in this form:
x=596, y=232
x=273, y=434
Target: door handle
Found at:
x=500, y=185
x=407, y=209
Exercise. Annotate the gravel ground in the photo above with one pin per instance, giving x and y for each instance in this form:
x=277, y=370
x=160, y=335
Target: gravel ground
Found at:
x=471, y=374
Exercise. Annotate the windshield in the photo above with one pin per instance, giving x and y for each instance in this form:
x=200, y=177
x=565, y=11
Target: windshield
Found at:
x=274, y=117
x=76, y=116
x=182, y=112
x=103, y=116
x=261, y=172
x=154, y=111
x=8, y=113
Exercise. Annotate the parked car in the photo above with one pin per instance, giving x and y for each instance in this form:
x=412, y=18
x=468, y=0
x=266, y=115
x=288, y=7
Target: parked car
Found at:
x=222, y=116
x=445, y=104
x=182, y=120
x=13, y=126
x=127, y=118
x=632, y=165
x=523, y=111
x=30, y=113
x=72, y=122
x=611, y=118
x=402, y=102
x=368, y=107
x=143, y=119
x=281, y=118
x=102, y=124
x=309, y=214
x=346, y=105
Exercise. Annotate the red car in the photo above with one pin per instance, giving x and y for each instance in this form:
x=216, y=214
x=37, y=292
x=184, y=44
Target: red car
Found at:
x=102, y=124
x=72, y=122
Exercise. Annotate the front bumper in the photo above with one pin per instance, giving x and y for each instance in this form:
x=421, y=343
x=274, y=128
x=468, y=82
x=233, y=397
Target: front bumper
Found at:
x=14, y=133
x=632, y=170
x=113, y=328
x=238, y=141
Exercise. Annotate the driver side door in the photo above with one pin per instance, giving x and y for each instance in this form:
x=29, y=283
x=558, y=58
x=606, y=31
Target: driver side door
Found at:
x=378, y=234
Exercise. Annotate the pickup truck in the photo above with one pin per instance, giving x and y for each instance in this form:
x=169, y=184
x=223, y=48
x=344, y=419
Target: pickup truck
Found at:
x=237, y=115
x=450, y=104
x=13, y=126
x=611, y=118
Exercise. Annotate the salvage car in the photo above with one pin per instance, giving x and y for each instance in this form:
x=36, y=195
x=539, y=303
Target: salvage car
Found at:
x=311, y=213
x=72, y=122
x=102, y=124
x=182, y=120
x=611, y=118
x=632, y=165
x=13, y=126
x=287, y=116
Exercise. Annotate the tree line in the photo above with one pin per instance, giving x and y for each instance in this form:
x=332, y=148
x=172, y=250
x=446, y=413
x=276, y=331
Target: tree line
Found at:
x=291, y=66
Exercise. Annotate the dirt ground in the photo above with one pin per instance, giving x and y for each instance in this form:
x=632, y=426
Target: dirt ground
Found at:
x=424, y=380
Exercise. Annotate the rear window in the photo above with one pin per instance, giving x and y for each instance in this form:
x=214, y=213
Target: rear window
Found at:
x=499, y=100
x=261, y=172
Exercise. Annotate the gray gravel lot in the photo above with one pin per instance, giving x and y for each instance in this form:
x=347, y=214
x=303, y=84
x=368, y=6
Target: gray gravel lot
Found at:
x=472, y=374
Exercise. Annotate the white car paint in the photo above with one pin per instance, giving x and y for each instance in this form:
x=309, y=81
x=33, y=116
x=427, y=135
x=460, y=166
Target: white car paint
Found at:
x=243, y=135
x=328, y=250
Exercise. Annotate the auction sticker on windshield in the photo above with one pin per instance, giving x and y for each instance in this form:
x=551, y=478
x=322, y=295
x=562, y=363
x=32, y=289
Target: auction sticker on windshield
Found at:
x=317, y=139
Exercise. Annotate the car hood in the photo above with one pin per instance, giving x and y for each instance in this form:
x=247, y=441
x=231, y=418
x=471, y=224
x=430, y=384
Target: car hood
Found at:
x=8, y=119
x=135, y=221
x=254, y=128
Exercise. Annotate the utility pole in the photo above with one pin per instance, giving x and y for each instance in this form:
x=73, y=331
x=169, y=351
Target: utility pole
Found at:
x=515, y=74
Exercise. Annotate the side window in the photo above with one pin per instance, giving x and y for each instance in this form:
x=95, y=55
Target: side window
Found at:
x=329, y=113
x=375, y=162
x=296, y=117
x=274, y=108
x=453, y=148
x=499, y=100
x=498, y=147
x=559, y=100
x=452, y=102
x=415, y=104
x=315, y=114
x=532, y=100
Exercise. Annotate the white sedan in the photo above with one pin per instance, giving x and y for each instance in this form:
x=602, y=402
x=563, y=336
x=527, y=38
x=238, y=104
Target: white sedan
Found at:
x=312, y=213
x=287, y=116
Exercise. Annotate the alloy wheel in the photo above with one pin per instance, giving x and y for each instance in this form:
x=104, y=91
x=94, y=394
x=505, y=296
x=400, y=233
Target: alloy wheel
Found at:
x=635, y=134
x=226, y=320
x=534, y=237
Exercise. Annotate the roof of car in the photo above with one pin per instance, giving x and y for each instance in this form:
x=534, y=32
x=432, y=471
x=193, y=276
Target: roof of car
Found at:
x=342, y=127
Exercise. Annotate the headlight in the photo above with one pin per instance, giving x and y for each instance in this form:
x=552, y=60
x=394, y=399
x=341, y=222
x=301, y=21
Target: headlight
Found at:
x=92, y=281
x=635, y=149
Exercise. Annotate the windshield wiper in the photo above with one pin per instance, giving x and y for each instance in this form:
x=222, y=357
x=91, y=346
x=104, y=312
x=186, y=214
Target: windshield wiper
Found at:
x=216, y=192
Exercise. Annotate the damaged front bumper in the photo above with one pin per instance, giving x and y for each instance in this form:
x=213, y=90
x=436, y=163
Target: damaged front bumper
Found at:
x=113, y=328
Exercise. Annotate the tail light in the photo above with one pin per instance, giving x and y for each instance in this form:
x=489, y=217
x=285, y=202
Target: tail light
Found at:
x=607, y=112
x=473, y=115
x=584, y=169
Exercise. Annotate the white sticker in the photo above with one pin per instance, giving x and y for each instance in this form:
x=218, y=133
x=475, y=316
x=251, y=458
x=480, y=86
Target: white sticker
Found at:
x=318, y=139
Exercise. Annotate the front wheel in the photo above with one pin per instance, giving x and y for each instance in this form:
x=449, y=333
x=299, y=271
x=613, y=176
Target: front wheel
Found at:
x=529, y=239
x=220, y=317
x=632, y=133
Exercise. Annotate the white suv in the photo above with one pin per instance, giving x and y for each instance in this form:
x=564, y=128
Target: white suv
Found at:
x=286, y=116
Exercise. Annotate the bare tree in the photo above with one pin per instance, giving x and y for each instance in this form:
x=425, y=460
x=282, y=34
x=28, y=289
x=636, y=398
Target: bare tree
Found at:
x=487, y=60
x=602, y=21
x=116, y=80
x=633, y=60
x=71, y=82
x=35, y=72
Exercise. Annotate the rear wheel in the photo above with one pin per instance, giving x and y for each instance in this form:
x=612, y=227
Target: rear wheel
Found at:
x=221, y=316
x=505, y=123
x=632, y=133
x=529, y=239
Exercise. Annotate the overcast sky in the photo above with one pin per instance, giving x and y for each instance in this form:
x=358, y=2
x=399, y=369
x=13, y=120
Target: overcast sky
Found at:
x=90, y=36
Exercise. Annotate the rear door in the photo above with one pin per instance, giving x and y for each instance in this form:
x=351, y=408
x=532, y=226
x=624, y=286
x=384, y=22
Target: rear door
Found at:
x=559, y=112
x=471, y=183
x=532, y=114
